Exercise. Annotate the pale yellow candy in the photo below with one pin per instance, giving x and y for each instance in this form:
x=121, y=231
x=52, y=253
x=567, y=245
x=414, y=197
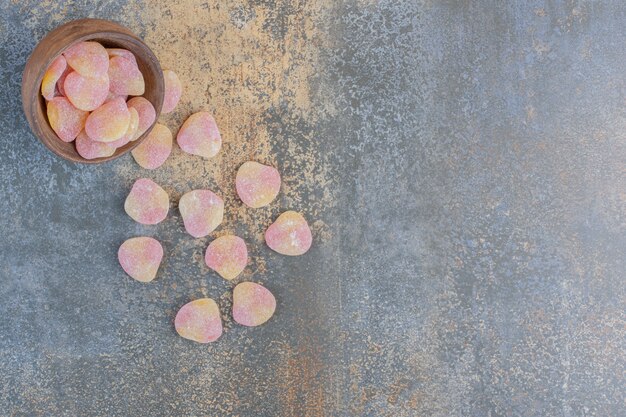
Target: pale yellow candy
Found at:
x=66, y=120
x=200, y=136
x=253, y=304
x=147, y=114
x=108, y=122
x=126, y=79
x=140, y=257
x=147, y=202
x=52, y=75
x=227, y=255
x=202, y=211
x=199, y=321
x=257, y=184
x=289, y=234
x=155, y=148
x=89, y=59
x=86, y=93
x=90, y=149
x=131, y=132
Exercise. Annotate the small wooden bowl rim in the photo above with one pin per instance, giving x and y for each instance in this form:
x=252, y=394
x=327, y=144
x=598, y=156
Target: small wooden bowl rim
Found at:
x=31, y=97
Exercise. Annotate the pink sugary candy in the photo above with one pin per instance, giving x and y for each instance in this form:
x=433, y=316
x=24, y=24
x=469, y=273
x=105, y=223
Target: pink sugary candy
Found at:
x=90, y=149
x=202, y=211
x=66, y=120
x=173, y=91
x=257, y=184
x=124, y=53
x=147, y=202
x=155, y=148
x=199, y=321
x=61, y=80
x=289, y=234
x=147, y=114
x=86, y=93
x=126, y=79
x=108, y=122
x=227, y=255
x=140, y=258
x=253, y=304
x=52, y=75
x=112, y=96
x=133, y=125
x=89, y=59
x=199, y=135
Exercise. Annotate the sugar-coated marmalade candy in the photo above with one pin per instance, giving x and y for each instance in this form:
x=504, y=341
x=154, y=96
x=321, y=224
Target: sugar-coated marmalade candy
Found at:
x=289, y=234
x=124, y=53
x=199, y=135
x=66, y=120
x=257, y=184
x=199, y=321
x=131, y=132
x=155, y=148
x=147, y=114
x=89, y=59
x=140, y=257
x=147, y=202
x=202, y=211
x=126, y=79
x=253, y=304
x=90, y=149
x=51, y=76
x=112, y=96
x=227, y=255
x=173, y=91
x=86, y=93
x=61, y=80
x=108, y=122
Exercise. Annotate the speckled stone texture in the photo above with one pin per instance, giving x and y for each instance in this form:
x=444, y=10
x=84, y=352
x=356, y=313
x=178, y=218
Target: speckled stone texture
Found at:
x=461, y=166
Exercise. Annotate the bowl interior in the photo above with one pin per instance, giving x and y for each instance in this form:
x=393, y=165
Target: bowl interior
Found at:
x=149, y=67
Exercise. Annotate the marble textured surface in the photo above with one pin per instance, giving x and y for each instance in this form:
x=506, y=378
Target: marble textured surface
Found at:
x=461, y=164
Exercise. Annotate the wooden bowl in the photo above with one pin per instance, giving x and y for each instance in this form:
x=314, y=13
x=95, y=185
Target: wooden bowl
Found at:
x=110, y=35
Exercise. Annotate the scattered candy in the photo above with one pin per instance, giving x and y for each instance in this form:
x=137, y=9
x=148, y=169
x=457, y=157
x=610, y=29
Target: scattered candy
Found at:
x=90, y=149
x=199, y=135
x=92, y=78
x=253, y=304
x=86, y=93
x=257, y=184
x=155, y=148
x=131, y=132
x=66, y=120
x=113, y=52
x=173, y=91
x=289, y=234
x=147, y=202
x=227, y=255
x=108, y=122
x=147, y=114
x=199, y=321
x=51, y=76
x=126, y=79
x=140, y=258
x=202, y=211
x=89, y=59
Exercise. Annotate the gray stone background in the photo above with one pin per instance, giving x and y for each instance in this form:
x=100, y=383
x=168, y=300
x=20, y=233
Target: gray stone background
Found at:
x=469, y=262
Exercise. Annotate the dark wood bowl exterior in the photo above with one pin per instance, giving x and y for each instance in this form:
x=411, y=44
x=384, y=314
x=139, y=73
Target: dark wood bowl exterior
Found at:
x=110, y=35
